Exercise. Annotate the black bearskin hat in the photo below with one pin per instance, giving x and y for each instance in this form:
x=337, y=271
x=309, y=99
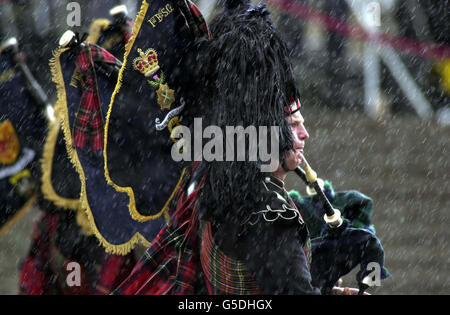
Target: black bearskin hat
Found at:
x=249, y=81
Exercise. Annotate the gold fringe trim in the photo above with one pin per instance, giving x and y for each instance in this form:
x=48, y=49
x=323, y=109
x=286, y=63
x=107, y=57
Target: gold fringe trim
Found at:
x=96, y=29
x=132, y=205
x=83, y=223
x=18, y=215
x=47, y=189
x=62, y=115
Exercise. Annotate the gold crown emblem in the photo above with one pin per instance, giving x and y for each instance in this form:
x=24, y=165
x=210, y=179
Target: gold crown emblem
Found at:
x=147, y=63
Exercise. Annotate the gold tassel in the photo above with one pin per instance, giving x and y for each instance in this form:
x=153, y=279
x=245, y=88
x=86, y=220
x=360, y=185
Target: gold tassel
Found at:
x=96, y=29
x=83, y=223
x=49, y=149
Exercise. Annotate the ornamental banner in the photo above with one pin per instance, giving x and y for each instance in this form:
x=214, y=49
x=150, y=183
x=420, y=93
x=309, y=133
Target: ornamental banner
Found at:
x=85, y=80
x=151, y=98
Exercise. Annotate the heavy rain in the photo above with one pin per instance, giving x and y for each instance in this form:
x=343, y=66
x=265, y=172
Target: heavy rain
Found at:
x=374, y=85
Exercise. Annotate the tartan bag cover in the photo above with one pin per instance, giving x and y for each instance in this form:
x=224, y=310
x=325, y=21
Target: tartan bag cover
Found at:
x=88, y=122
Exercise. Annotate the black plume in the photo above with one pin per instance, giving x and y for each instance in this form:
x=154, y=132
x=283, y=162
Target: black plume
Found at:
x=258, y=10
x=247, y=73
x=233, y=4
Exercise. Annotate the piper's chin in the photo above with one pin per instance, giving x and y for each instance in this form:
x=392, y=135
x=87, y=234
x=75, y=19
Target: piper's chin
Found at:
x=300, y=159
x=293, y=159
x=298, y=163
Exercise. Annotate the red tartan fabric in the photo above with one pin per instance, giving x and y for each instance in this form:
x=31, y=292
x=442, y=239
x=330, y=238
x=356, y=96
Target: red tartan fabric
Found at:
x=224, y=275
x=112, y=273
x=169, y=265
x=34, y=277
x=44, y=270
x=88, y=122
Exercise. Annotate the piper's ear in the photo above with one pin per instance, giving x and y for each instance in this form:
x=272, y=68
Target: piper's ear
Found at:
x=67, y=38
x=118, y=10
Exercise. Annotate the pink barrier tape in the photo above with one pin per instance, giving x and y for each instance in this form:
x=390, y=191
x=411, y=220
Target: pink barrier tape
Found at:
x=339, y=26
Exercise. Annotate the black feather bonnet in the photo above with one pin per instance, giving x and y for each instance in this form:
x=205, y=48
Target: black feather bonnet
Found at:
x=249, y=81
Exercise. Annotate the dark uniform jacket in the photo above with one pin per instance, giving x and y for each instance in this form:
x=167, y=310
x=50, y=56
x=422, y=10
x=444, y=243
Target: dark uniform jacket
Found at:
x=271, y=247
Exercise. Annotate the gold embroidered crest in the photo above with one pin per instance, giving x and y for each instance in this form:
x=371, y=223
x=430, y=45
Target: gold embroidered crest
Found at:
x=9, y=143
x=166, y=96
x=148, y=65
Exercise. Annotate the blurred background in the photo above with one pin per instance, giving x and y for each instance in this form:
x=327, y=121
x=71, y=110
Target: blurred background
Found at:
x=375, y=79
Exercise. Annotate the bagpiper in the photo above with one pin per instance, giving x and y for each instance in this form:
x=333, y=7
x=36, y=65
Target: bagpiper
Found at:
x=234, y=229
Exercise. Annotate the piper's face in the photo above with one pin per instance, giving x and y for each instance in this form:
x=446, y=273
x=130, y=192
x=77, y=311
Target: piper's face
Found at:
x=295, y=157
